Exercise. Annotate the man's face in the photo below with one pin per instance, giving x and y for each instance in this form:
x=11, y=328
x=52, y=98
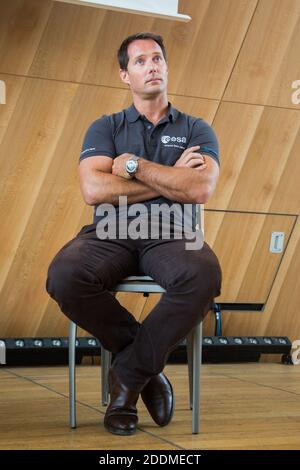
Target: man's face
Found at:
x=147, y=71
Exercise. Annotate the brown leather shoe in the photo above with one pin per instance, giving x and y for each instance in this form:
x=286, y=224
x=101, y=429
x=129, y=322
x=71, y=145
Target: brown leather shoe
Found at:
x=121, y=414
x=159, y=399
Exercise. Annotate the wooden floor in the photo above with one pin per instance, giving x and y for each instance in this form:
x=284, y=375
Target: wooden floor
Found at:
x=243, y=406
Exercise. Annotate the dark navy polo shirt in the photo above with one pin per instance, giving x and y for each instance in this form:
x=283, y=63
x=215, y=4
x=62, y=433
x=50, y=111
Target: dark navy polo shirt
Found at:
x=130, y=132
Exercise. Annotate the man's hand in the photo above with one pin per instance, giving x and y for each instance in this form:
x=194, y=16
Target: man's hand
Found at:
x=118, y=168
x=191, y=159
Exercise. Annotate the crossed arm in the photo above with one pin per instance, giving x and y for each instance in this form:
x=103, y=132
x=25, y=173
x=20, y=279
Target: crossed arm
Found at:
x=191, y=180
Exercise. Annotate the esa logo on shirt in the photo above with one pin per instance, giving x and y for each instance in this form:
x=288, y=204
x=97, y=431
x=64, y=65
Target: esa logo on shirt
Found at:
x=166, y=139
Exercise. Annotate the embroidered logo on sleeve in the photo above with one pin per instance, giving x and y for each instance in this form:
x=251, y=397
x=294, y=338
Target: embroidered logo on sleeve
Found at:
x=88, y=150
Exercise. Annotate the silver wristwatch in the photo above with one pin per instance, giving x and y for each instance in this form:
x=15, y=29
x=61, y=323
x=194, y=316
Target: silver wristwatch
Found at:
x=132, y=165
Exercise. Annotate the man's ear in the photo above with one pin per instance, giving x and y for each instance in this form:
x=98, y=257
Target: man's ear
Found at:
x=124, y=76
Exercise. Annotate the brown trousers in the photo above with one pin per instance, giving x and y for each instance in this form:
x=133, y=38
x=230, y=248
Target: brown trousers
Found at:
x=86, y=268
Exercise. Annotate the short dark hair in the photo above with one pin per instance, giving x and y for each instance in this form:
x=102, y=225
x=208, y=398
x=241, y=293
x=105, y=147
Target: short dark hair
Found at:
x=123, y=57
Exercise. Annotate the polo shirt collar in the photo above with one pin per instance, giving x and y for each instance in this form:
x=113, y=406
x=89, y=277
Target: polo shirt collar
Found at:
x=133, y=115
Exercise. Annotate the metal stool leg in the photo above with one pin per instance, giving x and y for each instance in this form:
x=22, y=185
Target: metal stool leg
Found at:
x=105, y=365
x=197, y=353
x=189, y=350
x=72, y=377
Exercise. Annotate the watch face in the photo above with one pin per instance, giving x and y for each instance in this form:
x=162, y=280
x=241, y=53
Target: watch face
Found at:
x=131, y=166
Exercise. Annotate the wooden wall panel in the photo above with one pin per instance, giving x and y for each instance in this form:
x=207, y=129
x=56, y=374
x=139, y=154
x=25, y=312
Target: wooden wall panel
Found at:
x=269, y=60
x=59, y=211
x=280, y=316
x=26, y=151
x=269, y=154
x=67, y=41
x=288, y=70
x=231, y=65
x=283, y=315
x=241, y=242
x=255, y=157
x=22, y=24
x=286, y=198
x=206, y=109
x=235, y=125
x=212, y=54
x=13, y=87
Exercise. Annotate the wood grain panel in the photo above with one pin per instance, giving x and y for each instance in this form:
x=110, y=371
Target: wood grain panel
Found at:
x=287, y=196
x=211, y=55
x=269, y=57
x=59, y=210
x=67, y=41
x=242, y=246
x=205, y=109
x=285, y=317
x=288, y=71
x=263, y=265
x=259, y=158
x=28, y=145
x=279, y=316
x=21, y=26
x=13, y=87
x=235, y=125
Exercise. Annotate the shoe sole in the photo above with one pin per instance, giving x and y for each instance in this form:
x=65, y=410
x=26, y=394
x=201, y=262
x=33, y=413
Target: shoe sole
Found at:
x=119, y=432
